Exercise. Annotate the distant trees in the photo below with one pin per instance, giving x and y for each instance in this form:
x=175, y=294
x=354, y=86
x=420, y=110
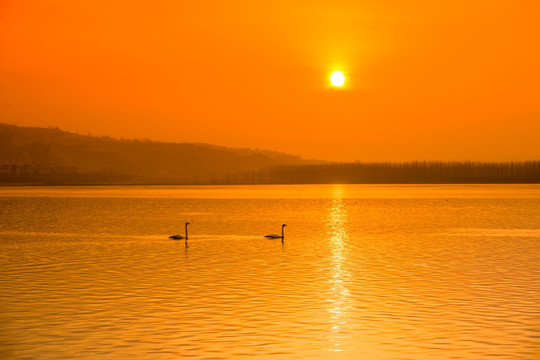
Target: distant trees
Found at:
x=436, y=172
x=433, y=172
x=28, y=174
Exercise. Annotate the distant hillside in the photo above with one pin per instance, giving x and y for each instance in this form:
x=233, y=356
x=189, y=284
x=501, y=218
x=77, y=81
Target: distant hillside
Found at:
x=53, y=151
x=50, y=156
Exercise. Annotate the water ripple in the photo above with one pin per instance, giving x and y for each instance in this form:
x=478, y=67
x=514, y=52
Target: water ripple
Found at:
x=391, y=278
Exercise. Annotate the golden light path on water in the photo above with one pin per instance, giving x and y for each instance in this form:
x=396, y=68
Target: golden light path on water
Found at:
x=340, y=300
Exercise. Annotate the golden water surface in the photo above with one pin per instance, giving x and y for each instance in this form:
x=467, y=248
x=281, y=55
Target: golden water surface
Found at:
x=364, y=272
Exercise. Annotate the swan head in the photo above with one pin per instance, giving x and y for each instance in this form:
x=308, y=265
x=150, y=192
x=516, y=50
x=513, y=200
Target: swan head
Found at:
x=283, y=225
x=187, y=223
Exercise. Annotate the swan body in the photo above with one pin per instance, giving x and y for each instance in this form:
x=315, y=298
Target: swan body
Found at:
x=275, y=236
x=177, y=237
x=180, y=237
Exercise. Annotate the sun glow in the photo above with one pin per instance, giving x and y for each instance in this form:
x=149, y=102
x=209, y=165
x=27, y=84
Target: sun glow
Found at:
x=337, y=78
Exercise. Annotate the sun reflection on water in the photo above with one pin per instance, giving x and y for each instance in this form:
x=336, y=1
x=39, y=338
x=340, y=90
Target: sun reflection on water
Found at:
x=340, y=302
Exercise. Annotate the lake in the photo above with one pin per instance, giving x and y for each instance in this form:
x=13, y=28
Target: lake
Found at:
x=364, y=272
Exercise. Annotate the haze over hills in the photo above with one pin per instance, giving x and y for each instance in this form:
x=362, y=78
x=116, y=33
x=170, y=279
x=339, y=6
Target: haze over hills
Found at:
x=50, y=150
x=49, y=156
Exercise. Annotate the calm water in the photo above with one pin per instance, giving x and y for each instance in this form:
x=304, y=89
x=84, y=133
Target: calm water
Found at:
x=365, y=272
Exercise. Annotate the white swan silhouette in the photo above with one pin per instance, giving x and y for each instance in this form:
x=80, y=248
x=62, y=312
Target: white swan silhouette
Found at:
x=180, y=237
x=274, y=236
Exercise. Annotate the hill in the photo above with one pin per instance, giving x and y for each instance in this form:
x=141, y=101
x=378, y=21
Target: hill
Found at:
x=38, y=156
x=50, y=155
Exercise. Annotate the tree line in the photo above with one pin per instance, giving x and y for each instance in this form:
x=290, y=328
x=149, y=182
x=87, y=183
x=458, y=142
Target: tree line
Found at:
x=416, y=172
x=433, y=172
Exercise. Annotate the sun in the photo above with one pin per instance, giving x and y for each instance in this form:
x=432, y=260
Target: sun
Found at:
x=337, y=78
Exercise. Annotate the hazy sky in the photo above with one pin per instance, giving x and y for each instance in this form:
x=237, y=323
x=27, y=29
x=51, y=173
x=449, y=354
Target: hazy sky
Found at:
x=435, y=80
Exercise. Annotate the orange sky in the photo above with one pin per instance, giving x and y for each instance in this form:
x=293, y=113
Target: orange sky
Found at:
x=451, y=80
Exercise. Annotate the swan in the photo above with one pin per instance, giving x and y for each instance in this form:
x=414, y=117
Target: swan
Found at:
x=274, y=236
x=180, y=237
